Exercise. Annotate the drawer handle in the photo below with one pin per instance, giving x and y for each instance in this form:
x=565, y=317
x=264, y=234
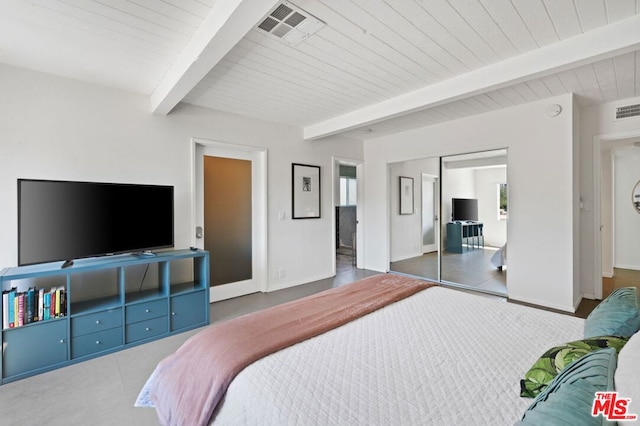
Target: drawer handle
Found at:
x=148, y=329
x=61, y=340
x=147, y=311
x=97, y=321
x=173, y=314
x=97, y=342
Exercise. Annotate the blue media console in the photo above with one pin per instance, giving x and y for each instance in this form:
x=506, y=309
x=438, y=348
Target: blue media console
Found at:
x=463, y=235
x=111, y=303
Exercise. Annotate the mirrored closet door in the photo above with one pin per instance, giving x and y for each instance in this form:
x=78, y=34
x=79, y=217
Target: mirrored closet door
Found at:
x=449, y=219
x=475, y=212
x=415, y=218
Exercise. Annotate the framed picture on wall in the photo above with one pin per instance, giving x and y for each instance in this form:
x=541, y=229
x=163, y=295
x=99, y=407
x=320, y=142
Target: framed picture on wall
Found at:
x=406, y=195
x=305, y=191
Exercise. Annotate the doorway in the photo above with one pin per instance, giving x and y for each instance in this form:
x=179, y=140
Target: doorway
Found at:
x=229, y=218
x=617, y=163
x=347, y=220
x=430, y=213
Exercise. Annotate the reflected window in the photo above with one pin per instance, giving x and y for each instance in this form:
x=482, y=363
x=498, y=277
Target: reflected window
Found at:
x=502, y=201
x=347, y=185
x=347, y=191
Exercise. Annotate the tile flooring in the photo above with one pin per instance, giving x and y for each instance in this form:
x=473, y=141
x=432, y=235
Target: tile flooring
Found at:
x=472, y=269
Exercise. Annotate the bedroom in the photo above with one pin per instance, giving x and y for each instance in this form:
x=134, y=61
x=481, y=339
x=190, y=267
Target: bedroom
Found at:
x=62, y=127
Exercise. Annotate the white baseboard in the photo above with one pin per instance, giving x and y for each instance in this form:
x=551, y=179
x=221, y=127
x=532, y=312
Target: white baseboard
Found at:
x=634, y=267
x=274, y=286
x=571, y=309
x=406, y=256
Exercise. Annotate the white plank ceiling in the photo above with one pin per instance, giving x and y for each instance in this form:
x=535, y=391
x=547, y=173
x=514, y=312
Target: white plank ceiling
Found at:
x=376, y=67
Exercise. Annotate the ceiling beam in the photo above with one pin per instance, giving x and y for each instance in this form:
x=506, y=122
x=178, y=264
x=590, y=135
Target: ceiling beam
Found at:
x=227, y=23
x=602, y=43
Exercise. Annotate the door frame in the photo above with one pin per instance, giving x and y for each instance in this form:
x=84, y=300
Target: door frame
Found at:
x=335, y=196
x=598, y=142
x=436, y=209
x=259, y=205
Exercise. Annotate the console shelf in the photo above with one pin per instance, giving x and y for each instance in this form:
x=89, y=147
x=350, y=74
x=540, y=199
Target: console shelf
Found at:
x=112, y=303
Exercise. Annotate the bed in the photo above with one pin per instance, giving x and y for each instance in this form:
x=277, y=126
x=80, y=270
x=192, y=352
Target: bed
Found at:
x=499, y=258
x=439, y=356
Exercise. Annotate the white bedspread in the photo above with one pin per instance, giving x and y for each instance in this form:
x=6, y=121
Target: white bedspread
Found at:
x=440, y=357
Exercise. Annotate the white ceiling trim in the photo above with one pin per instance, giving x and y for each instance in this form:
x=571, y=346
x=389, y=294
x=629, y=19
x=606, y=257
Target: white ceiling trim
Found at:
x=225, y=25
x=602, y=43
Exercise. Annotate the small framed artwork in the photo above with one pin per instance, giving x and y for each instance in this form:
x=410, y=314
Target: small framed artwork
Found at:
x=406, y=195
x=305, y=191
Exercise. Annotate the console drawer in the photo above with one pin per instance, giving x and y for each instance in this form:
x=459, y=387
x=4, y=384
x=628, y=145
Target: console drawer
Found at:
x=96, y=342
x=147, y=310
x=98, y=321
x=145, y=329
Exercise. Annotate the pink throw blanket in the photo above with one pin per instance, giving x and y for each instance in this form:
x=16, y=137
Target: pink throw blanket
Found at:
x=188, y=384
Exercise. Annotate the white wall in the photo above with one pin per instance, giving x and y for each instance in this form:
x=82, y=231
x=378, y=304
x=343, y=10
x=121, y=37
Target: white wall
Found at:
x=56, y=128
x=486, y=191
x=597, y=123
x=479, y=183
x=606, y=212
x=540, y=175
x=456, y=183
x=627, y=219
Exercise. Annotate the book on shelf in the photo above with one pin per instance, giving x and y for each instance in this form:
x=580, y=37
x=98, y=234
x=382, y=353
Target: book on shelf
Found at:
x=30, y=306
x=20, y=310
x=58, y=310
x=5, y=309
x=40, y=304
x=63, y=301
x=47, y=305
x=24, y=307
x=52, y=305
x=13, y=305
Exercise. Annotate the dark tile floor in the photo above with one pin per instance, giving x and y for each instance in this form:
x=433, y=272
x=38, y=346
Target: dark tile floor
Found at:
x=345, y=273
x=471, y=268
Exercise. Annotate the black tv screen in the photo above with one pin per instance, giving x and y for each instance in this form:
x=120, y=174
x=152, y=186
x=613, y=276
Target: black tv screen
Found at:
x=464, y=209
x=63, y=220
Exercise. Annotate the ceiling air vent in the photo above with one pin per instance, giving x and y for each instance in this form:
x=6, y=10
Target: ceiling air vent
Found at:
x=627, y=111
x=290, y=24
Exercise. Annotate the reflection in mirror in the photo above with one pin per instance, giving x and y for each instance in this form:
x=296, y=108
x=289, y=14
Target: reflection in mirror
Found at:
x=635, y=197
x=474, y=228
x=415, y=235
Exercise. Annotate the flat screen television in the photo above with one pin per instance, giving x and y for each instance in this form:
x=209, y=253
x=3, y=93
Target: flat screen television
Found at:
x=64, y=220
x=464, y=209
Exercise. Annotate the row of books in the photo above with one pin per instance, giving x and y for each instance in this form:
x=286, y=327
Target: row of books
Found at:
x=24, y=307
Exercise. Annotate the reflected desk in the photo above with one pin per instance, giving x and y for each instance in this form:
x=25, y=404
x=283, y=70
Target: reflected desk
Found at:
x=464, y=234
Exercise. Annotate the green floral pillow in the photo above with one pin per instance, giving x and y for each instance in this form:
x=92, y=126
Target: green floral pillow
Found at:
x=553, y=361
